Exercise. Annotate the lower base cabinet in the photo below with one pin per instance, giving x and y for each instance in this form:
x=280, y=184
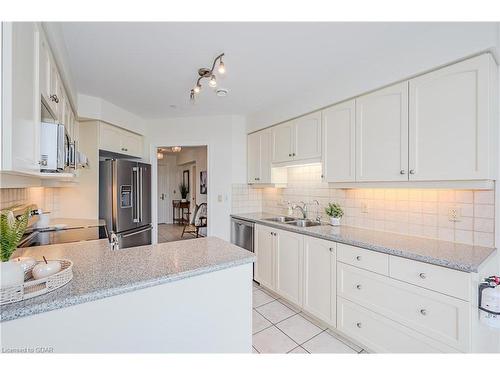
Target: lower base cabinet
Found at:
x=264, y=251
x=319, y=279
x=380, y=334
x=289, y=254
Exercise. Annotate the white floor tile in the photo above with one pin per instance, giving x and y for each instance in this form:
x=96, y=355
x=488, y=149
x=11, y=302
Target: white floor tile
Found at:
x=259, y=322
x=260, y=298
x=298, y=350
x=326, y=343
x=272, y=340
x=314, y=321
x=299, y=329
x=275, y=311
x=290, y=306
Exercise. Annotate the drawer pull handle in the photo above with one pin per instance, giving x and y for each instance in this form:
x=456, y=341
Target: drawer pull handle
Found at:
x=358, y=325
x=358, y=257
x=331, y=249
x=423, y=312
x=358, y=286
x=422, y=275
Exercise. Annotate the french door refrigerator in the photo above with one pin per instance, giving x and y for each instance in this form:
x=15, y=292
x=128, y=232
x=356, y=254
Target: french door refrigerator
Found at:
x=125, y=200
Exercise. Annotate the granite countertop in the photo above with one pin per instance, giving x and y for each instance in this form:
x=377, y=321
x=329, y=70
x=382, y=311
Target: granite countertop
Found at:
x=453, y=255
x=99, y=272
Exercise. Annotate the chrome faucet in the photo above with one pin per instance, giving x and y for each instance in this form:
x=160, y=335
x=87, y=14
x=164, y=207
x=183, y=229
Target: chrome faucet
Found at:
x=318, y=216
x=303, y=209
x=114, y=242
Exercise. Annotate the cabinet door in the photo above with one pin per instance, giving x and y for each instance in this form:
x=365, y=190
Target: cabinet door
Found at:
x=264, y=251
x=289, y=260
x=55, y=90
x=44, y=70
x=339, y=142
x=382, y=135
x=110, y=138
x=282, y=142
x=265, y=156
x=307, y=137
x=131, y=144
x=450, y=132
x=319, y=279
x=253, y=158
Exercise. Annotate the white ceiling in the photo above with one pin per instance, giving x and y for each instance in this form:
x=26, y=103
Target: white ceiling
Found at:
x=147, y=67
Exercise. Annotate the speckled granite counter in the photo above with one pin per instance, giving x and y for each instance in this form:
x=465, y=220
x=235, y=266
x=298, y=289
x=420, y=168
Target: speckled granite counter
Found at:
x=99, y=272
x=453, y=255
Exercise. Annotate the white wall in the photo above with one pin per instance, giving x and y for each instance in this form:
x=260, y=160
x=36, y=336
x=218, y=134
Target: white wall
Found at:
x=440, y=44
x=226, y=142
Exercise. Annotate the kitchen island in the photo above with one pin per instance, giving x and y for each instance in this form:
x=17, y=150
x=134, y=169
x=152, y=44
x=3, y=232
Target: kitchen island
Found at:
x=185, y=296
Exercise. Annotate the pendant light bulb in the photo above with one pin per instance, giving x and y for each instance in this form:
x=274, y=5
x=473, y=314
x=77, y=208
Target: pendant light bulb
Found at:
x=212, y=82
x=197, y=89
x=222, y=67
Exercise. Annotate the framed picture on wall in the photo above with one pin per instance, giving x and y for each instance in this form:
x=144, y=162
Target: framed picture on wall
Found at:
x=185, y=178
x=203, y=182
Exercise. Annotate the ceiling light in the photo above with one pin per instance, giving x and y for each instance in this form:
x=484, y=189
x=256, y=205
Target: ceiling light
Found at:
x=222, y=67
x=208, y=74
x=221, y=92
x=159, y=155
x=176, y=149
x=212, y=82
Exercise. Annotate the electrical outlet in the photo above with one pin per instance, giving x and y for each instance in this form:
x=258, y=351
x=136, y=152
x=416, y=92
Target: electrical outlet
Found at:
x=454, y=214
x=364, y=207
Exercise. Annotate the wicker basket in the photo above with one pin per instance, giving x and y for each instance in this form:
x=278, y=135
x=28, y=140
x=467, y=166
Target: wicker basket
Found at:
x=32, y=288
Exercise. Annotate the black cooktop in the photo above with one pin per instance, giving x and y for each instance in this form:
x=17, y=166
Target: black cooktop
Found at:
x=50, y=237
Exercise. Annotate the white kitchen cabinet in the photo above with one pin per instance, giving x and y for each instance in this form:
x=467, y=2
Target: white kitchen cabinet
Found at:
x=264, y=251
x=298, y=140
x=283, y=138
x=452, y=134
x=114, y=139
x=339, y=142
x=45, y=69
x=382, y=135
x=20, y=102
x=288, y=268
x=259, y=157
x=319, y=287
x=307, y=137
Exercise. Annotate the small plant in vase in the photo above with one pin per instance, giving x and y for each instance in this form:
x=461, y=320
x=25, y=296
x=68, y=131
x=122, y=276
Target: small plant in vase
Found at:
x=184, y=191
x=335, y=212
x=11, y=232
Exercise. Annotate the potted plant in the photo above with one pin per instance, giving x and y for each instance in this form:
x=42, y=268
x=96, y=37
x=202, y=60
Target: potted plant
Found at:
x=11, y=231
x=184, y=191
x=335, y=212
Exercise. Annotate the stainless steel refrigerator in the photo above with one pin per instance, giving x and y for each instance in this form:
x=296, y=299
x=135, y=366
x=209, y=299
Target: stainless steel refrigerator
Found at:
x=125, y=200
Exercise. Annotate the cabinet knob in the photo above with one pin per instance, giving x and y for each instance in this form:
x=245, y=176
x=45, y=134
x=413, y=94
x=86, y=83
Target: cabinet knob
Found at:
x=422, y=275
x=54, y=98
x=293, y=154
x=322, y=176
x=402, y=171
x=257, y=178
x=289, y=154
x=358, y=286
x=412, y=171
x=423, y=312
x=358, y=325
x=331, y=249
x=358, y=257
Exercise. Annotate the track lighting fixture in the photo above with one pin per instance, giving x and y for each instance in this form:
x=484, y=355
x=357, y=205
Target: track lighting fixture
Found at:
x=209, y=74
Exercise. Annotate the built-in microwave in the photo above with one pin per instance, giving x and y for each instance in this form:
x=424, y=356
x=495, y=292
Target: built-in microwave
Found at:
x=57, y=151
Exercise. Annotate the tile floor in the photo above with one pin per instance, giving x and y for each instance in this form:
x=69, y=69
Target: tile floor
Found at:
x=171, y=232
x=279, y=327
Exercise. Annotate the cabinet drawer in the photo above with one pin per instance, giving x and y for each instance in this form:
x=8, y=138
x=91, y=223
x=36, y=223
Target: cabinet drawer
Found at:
x=381, y=334
x=438, y=316
x=440, y=279
x=362, y=258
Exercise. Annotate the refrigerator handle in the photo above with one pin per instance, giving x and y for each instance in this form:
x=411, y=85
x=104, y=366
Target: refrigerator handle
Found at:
x=135, y=181
x=141, y=193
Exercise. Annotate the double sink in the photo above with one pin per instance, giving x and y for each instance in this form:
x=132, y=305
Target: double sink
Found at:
x=303, y=223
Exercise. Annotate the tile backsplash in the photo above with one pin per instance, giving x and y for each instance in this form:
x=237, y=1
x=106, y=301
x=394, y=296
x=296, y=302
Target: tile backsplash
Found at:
x=418, y=212
x=44, y=197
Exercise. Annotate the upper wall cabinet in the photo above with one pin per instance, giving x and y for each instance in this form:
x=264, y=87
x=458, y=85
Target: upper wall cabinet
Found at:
x=297, y=140
x=114, y=139
x=382, y=135
x=259, y=157
x=339, y=142
x=452, y=124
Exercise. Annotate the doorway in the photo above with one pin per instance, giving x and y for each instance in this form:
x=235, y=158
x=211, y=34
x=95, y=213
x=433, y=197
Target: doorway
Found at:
x=181, y=192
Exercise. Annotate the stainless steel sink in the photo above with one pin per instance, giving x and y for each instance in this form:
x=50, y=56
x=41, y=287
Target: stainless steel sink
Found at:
x=281, y=219
x=304, y=223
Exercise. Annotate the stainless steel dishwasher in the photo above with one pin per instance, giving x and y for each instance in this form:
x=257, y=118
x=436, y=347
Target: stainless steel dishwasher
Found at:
x=242, y=234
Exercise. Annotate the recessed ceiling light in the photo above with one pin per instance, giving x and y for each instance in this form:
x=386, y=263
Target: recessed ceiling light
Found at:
x=173, y=106
x=222, y=92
